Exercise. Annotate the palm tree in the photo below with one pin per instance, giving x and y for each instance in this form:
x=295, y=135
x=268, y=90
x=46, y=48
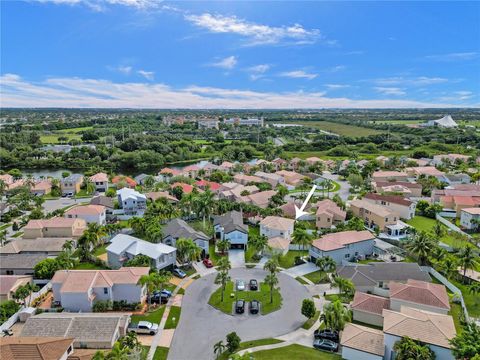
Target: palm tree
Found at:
x=258, y=243
x=438, y=229
x=223, y=245
x=118, y=352
x=345, y=286
x=137, y=224
x=224, y=264
x=99, y=355
x=187, y=250
x=272, y=265
x=218, y=348
x=449, y=266
x=98, y=232
x=474, y=288
x=222, y=278
x=335, y=315
x=271, y=280
x=421, y=245
x=326, y=265
x=204, y=203
x=31, y=288
x=468, y=259
x=301, y=237
x=407, y=348
x=3, y=237
x=151, y=281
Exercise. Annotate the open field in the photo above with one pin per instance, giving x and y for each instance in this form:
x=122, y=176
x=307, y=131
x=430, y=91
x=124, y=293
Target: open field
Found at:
x=75, y=130
x=53, y=138
x=337, y=128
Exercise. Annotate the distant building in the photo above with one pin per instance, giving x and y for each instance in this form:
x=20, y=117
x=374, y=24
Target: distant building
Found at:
x=178, y=228
x=71, y=184
x=470, y=218
x=244, y=122
x=273, y=226
x=131, y=202
x=56, y=227
x=445, y=122
x=206, y=123
x=100, y=180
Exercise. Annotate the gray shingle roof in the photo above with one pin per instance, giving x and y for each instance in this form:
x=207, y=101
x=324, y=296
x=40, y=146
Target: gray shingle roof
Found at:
x=102, y=200
x=231, y=221
x=178, y=228
x=21, y=261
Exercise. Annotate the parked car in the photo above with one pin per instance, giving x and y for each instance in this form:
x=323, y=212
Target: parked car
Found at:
x=240, y=306
x=324, y=344
x=159, y=298
x=143, y=327
x=240, y=284
x=326, y=334
x=165, y=292
x=179, y=273
x=208, y=263
x=254, y=307
x=253, y=284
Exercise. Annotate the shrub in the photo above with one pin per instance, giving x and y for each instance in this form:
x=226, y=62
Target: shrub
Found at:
x=308, y=308
x=7, y=309
x=102, y=306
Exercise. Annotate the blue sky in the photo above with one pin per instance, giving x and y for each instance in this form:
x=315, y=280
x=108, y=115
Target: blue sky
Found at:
x=153, y=54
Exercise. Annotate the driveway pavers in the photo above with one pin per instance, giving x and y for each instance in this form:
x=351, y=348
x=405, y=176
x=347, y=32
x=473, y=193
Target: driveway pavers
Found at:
x=301, y=270
x=201, y=325
x=236, y=257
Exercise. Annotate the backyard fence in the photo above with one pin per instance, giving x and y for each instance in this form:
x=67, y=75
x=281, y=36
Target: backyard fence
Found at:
x=451, y=226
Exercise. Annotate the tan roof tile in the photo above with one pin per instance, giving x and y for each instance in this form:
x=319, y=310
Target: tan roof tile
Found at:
x=363, y=338
x=420, y=292
x=370, y=303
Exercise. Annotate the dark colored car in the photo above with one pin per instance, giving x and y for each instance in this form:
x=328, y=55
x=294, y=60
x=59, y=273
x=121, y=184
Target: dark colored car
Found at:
x=253, y=284
x=324, y=344
x=159, y=298
x=326, y=334
x=240, y=306
x=254, y=307
x=179, y=273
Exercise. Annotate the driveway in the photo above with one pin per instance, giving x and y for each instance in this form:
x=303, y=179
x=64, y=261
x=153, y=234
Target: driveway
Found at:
x=236, y=257
x=344, y=191
x=301, y=270
x=52, y=205
x=201, y=325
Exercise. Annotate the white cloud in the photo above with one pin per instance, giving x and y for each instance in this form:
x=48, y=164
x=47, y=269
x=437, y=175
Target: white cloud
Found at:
x=413, y=81
x=460, y=56
x=123, y=69
x=149, y=75
x=255, y=34
x=300, y=74
x=337, y=86
x=227, y=63
x=336, y=68
x=101, y=5
x=97, y=93
x=258, y=71
x=390, y=90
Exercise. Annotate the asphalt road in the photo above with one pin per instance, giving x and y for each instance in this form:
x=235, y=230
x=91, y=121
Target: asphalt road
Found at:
x=52, y=205
x=201, y=325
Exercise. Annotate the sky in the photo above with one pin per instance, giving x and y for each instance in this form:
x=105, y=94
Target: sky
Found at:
x=161, y=54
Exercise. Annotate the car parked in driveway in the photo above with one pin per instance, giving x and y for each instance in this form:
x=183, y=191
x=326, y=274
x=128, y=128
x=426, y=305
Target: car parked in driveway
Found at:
x=254, y=307
x=143, y=327
x=208, y=263
x=179, y=273
x=326, y=334
x=240, y=306
x=240, y=285
x=253, y=285
x=324, y=344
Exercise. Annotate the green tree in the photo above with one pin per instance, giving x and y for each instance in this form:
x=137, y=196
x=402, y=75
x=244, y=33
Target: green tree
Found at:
x=325, y=265
x=187, y=250
x=218, y=348
x=46, y=268
x=301, y=237
x=421, y=245
x=222, y=278
x=272, y=265
x=271, y=280
x=408, y=349
x=223, y=246
x=335, y=315
x=468, y=259
x=465, y=344
x=259, y=243
x=152, y=282
x=233, y=342
x=308, y=308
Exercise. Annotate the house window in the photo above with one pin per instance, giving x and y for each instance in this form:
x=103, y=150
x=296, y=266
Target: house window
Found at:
x=9, y=272
x=105, y=291
x=347, y=256
x=356, y=253
x=380, y=284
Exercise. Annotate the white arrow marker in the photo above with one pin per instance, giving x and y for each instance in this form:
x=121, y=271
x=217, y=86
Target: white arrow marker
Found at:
x=301, y=212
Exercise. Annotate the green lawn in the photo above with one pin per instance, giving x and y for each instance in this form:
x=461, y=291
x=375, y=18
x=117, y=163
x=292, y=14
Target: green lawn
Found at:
x=471, y=301
x=297, y=352
x=75, y=130
x=4, y=226
x=456, y=312
x=317, y=278
x=18, y=234
x=367, y=261
x=161, y=353
x=82, y=194
x=88, y=266
x=53, y=138
x=174, y=313
x=334, y=297
x=427, y=224
x=250, y=344
x=337, y=128
x=213, y=255
x=263, y=296
x=100, y=250
x=288, y=260
x=301, y=281
x=309, y=323
x=152, y=316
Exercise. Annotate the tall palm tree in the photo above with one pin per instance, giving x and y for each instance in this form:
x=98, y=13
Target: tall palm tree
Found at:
x=326, y=265
x=224, y=264
x=345, y=286
x=187, y=250
x=468, y=259
x=271, y=280
x=449, y=266
x=222, y=278
x=31, y=288
x=259, y=243
x=223, y=246
x=272, y=265
x=97, y=231
x=474, y=288
x=204, y=204
x=151, y=281
x=438, y=229
x=218, y=348
x=407, y=348
x=421, y=245
x=118, y=352
x=335, y=315
x=301, y=237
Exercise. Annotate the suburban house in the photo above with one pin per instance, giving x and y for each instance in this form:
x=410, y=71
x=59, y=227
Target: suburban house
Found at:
x=405, y=188
x=434, y=330
x=191, y=171
x=313, y=160
x=379, y=217
x=272, y=179
x=292, y=178
x=231, y=227
x=209, y=168
x=47, y=246
x=54, y=227
x=421, y=295
x=154, y=196
x=78, y=290
x=131, y=202
x=121, y=181
x=107, y=203
x=273, y=226
x=456, y=204
x=10, y=283
x=186, y=188
x=454, y=179
x=166, y=174
x=456, y=190
x=226, y=166
x=470, y=218
x=403, y=207
x=89, y=330
x=260, y=199
x=36, y=348
x=361, y=343
x=425, y=171
x=450, y=158
x=279, y=245
x=212, y=185
x=20, y=264
x=100, y=180
x=328, y=214
x=178, y=228
x=247, y=179
x=233, y=191
x=125, y=247
x=140, y=179
x=389, y=176
x=90, y=213
x=71, y=184
x=368, y=308
x=41, y=188
x=343, y=246
x=376, y=276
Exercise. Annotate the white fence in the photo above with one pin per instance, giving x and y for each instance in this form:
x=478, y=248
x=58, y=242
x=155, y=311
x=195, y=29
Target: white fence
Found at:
x=451, y=226
x=449, y=286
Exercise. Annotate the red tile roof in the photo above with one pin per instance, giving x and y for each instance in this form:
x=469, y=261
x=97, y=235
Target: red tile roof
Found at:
x=130, y=182
x=214, y=186
x=370, y=303
x=187, y=188
x=420, y=292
